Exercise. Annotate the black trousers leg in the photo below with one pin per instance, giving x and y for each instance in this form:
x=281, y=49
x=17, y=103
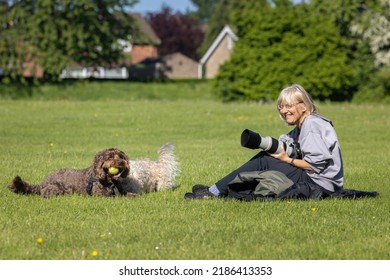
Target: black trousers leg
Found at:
x=263, y=161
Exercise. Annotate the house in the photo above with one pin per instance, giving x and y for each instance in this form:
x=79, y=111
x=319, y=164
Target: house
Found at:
x=144, y=43
x=31, y=69
x=219, y=51
x=171, y=66
x=143, y=46
x=179, y=66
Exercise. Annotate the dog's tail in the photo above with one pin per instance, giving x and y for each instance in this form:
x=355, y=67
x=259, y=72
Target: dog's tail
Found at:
x=169, y=160
x=20, y=186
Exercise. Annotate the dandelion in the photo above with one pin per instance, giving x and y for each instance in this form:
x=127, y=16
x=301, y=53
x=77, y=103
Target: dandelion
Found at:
x=51, y=146
x=39, y=240
x=94, y=253
x=313, y=209
x=242, y=118
x=105, y=235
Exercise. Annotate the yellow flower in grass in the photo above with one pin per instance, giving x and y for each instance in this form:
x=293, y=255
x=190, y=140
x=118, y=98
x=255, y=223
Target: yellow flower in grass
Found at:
x=39, y=240
x=94, y=253
x=49, y=150
x=105, y=235
x=313, y=209
x=242, y=118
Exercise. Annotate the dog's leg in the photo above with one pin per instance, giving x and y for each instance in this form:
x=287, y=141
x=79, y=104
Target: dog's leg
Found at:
x=51, y=190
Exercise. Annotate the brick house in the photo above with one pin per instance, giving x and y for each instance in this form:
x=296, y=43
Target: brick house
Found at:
x=219, y=51
x=31, y=69
x=143, y=46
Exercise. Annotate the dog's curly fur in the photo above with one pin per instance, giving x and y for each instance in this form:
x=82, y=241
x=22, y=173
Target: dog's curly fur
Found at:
x=135, y=176
x=94, y=180
x=146, y=175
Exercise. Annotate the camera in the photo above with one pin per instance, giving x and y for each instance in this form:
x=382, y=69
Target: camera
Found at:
x=253, y=140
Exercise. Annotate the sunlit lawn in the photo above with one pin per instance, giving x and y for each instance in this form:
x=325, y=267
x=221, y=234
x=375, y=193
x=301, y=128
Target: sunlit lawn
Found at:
x=38, y=136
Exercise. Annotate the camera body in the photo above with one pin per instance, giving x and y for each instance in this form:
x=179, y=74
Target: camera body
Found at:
x=253, y=140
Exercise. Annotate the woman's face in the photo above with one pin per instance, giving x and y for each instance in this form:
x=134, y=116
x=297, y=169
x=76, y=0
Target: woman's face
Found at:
x=293, y=114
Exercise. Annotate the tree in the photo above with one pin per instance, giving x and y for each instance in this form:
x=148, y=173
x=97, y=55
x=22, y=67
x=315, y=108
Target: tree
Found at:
x=220, y=16
x=372, y=29
x=301, y=46
x=205, y=9
x=54, y=34
x=365, y=25
x=178, y=32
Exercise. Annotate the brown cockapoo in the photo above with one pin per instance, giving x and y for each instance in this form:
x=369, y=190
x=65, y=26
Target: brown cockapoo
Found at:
x=107, y=176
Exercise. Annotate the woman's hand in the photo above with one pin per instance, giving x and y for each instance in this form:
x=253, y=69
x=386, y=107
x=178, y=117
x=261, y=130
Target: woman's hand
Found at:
x=282, y=155
x=300, y=163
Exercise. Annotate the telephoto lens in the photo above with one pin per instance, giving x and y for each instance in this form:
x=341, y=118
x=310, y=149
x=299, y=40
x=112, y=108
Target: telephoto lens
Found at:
x=253, y=140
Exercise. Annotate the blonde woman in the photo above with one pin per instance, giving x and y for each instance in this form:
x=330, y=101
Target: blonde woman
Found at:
x=319, y=169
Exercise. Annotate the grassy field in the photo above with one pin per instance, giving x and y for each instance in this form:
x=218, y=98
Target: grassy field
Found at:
x=64, y=127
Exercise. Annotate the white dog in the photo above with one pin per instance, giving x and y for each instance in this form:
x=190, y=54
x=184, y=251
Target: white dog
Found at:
x=146, y=175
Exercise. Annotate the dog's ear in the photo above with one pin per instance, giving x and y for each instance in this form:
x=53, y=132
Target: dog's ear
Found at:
x=97, y=165
x=123, y=155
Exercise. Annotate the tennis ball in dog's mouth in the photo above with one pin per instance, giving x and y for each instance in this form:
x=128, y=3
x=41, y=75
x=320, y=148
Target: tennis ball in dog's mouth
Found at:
x=113, y=170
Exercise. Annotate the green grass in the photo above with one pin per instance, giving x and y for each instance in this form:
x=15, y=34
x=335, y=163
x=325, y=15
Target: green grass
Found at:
x=108, y=90
x=38, y=136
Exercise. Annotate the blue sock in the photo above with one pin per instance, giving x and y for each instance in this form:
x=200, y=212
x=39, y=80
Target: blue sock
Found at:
x=214, y=190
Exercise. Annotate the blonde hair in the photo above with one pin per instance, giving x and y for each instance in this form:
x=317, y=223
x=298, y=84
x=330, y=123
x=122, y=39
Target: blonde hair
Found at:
x=294, y=94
